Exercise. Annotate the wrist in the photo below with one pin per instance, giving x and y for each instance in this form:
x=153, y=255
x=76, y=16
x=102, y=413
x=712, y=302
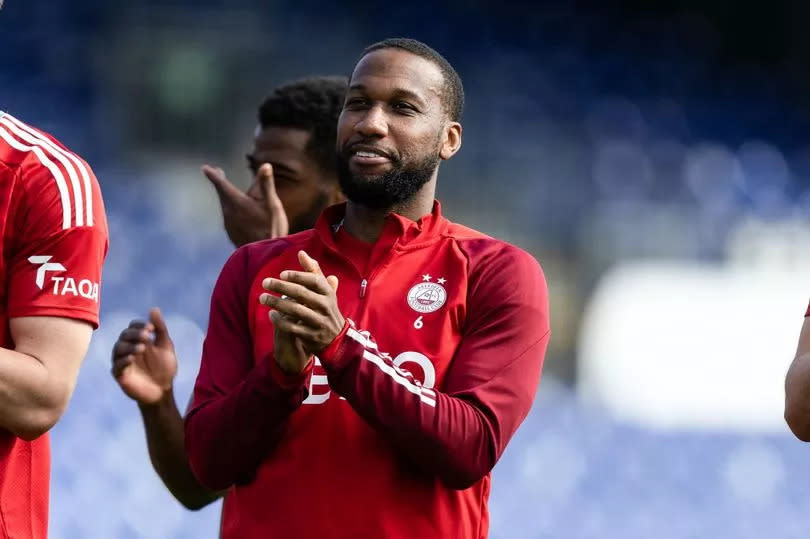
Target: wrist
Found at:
x=332, y=350
x=290, y=379
x=166, y=401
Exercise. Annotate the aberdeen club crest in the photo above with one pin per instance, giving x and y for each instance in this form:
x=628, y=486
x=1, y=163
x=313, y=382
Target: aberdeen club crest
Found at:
x=427, y=296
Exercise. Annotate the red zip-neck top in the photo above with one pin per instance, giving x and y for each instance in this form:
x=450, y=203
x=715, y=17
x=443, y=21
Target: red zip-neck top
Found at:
x=394, y=430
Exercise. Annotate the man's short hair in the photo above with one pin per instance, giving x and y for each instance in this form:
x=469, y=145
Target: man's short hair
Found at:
x=453, y=95
x=312, y=104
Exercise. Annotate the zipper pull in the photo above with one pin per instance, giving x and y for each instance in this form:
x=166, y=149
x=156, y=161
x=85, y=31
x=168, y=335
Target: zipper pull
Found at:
x=363, y=285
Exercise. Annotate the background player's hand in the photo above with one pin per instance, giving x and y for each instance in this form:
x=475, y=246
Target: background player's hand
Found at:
x=313, y=314
x=246, y=218
x=143, y=359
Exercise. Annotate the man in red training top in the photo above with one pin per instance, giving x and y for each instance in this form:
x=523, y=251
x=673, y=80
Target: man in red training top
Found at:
x=53, y=241
x=399, y=354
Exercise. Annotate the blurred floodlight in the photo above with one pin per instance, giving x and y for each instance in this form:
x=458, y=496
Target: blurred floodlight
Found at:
x=713, y=175
x=622, y=169
x=680, y=345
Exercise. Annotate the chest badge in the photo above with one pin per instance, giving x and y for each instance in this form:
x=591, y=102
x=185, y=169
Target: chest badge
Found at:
x=427, y=296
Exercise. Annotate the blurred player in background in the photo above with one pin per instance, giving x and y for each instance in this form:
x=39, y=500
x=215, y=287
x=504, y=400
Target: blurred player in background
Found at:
x=393, y=430
x=53, y=241
x=294, y=165
x=797, y=386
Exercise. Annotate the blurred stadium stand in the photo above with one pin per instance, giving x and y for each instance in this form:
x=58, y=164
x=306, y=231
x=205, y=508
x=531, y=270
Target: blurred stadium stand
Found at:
x=596, y=138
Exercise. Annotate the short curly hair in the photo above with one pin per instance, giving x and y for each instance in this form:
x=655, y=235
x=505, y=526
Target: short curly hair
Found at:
x=453, y=97
x=312, y=104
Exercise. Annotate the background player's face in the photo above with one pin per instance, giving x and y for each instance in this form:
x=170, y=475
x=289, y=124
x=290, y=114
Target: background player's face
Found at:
x=300, y=181
x=393, y=128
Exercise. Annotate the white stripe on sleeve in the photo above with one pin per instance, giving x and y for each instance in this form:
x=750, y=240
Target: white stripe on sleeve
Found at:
x=411, y=386
x=26, y=134
x=55, y=172
x=88, y=189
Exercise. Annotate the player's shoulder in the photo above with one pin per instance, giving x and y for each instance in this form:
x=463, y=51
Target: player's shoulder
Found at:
x=252, y=257
x=483, y=250
x=31, y=149
x=58, y=189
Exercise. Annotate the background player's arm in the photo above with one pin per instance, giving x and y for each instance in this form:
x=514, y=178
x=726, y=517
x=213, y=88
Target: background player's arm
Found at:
x=239, y=408
x=144, y=365
x=797, y=387
x=165, y=438
x=37, y=378
x=458, y=433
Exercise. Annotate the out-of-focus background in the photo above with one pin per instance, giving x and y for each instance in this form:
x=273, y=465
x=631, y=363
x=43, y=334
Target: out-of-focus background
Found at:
x=654, y=156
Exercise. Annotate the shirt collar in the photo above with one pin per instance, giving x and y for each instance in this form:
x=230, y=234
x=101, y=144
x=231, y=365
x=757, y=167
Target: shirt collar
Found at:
x=397, y=229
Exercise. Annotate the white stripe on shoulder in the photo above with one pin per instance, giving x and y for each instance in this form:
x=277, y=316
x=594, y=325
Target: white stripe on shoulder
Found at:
x=413, y=387
x=80, y=166
x=57, y=174
x=30, y=136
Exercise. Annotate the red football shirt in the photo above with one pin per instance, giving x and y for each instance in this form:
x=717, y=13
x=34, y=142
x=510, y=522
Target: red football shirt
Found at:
x=394, y=430
x=53, y=234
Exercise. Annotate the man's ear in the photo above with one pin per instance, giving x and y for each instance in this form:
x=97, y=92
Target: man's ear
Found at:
x=451, y=142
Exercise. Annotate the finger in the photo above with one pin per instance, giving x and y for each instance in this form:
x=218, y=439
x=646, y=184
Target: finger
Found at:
x=297, y=292
x=122, y=349
x=225, y=189
x=120, y=364
x=313, y=281
x=162, y=338
x=279, y=224
x=288, y=325
x=308, y=263
x=267, y=183
x=137, y=324
x=333, y=282
x=135, y=335
x=294, y=310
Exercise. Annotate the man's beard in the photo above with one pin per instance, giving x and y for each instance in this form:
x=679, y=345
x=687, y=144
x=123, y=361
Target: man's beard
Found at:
x=389, y=189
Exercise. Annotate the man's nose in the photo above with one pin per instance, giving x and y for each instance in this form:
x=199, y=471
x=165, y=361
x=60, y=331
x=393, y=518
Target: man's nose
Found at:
x=373, y=123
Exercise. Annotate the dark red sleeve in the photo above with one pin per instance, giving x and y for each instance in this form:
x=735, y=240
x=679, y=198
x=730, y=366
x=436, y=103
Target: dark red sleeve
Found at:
x=237, y=408
x=458, y=433
x=807, y=312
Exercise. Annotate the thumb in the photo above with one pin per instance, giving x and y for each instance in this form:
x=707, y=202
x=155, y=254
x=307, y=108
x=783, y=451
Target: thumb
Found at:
x=225, y=189
x=267, y=183
x=279, y=225
x=162, y=338
x=333, y=282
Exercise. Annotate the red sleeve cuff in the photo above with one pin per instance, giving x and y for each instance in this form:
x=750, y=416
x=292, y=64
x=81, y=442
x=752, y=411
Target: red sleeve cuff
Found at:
x=331, y=353
x=286, y=381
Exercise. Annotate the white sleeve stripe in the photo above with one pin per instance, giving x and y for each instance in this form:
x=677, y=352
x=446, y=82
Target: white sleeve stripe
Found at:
x=30, y=136
x=359, y=337
x=74, y=180
x=57, y=174
x=407, y=384
x=88, y=189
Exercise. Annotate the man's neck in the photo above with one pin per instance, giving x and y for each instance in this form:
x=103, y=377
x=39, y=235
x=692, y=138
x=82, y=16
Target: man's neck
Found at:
x=366, y=223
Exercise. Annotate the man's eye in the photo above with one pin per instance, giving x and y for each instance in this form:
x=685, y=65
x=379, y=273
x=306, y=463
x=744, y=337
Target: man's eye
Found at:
x=284, y=181
x=355, y=102
x=404, y=106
